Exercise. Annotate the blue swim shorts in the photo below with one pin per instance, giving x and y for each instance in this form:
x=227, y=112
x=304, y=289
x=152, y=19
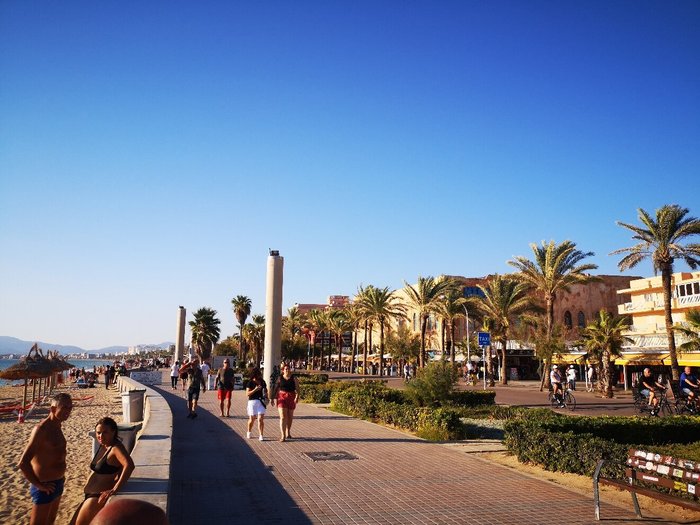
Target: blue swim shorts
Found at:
x=41, y=498
x=193, y=394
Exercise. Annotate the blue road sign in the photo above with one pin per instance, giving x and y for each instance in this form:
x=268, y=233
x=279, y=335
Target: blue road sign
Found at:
x=484, y=339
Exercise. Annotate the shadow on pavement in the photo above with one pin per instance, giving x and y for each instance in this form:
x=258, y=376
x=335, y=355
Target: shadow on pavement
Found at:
x=216, y=478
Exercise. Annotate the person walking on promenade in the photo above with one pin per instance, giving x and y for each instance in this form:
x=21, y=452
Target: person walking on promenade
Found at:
x=111, y=468
x=174, y=374
x=205, y=372
x=589, y=375
x=256, y=389
x=43, y=462
x=224, y=386
x=108, y=376
x=286, y=395
x=195, y=379
x=571, y=377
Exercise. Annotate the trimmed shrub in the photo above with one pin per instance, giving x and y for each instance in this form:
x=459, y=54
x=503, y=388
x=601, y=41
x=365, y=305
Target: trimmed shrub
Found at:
x=305, y=378
x=433, y=385
x=470, y=398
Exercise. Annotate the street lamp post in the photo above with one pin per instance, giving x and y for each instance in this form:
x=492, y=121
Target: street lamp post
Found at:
x=466, y=325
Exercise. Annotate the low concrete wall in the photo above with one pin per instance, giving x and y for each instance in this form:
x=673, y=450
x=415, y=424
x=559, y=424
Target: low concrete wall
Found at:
x=151, y=477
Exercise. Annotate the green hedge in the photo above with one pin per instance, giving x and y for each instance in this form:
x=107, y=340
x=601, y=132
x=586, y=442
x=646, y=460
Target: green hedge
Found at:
x=470, y=398
x=378, y=403
x=305, y=378
x=575, y=444
x=320, y=392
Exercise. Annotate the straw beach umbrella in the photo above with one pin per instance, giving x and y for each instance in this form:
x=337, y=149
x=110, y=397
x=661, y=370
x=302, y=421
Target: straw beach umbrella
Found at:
x=31, y=367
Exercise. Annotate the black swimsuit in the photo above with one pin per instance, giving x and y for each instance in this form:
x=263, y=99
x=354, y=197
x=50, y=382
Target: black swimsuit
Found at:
x=101, y=467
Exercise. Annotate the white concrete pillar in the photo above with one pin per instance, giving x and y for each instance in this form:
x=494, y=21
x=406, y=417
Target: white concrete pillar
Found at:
x=180, y=340
x=273, y=315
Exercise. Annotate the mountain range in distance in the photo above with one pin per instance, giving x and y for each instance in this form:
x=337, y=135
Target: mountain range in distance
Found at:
x=12, y=345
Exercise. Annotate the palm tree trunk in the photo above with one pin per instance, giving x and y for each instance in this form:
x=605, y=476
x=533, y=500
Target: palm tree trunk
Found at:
x=370, y=337
x=666, y=271
x=452, y=344
x=364, y=357
x=489, y=367
x=354, y=350
x=421, y=358
x=606, y=376
x=504, y=368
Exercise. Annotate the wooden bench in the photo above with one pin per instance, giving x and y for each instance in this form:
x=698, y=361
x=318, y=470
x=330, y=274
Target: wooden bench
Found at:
x=663, y=478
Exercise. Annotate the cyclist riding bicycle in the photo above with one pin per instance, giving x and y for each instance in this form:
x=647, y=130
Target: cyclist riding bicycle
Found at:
x=556, y=378
x=689, y=384
x=648, y=387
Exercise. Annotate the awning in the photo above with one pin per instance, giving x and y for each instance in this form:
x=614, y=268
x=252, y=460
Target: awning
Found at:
x=689, y=359
x=577, y=358
x=644, y=358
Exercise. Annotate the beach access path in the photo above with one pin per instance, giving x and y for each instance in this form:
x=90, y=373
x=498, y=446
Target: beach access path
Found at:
x=218, y=475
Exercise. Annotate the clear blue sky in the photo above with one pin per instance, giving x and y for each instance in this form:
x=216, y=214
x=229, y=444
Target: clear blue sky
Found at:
x=152, y=152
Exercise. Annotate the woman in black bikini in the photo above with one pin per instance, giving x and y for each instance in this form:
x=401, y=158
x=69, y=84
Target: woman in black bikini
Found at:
x=111, y=467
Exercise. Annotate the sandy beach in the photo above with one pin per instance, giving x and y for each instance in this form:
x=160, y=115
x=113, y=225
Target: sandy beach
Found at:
x=15, y=503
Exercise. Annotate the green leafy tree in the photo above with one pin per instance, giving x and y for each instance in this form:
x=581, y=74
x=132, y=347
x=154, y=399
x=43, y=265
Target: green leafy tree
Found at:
x=603, y=339
x=316, y=323
x=205, y=332
x=661, y=239
x=424, y=297
x=504, y=299
x=228, y=346
x=403, y=345
x=241, y=309
x=555, y=268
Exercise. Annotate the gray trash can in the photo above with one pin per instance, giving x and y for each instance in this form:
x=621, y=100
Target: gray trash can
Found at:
x=132, y=405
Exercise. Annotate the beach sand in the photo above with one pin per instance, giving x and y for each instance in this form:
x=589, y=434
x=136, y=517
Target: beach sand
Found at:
x=15, y=503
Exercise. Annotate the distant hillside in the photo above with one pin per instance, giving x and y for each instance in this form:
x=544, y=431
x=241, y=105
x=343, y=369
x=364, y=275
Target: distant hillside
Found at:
x=12, y=345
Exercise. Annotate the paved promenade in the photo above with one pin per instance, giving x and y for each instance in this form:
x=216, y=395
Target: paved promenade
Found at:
x=219, y=476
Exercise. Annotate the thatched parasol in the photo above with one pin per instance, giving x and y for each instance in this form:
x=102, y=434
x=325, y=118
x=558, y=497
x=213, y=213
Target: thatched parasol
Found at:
x=31, y=367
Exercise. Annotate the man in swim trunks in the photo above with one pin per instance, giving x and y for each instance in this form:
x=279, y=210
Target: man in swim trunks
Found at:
x=43, y=462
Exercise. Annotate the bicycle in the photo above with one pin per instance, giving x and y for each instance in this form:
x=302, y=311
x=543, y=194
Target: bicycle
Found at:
x=684, y=403
x=567, y=400
x=641, y=403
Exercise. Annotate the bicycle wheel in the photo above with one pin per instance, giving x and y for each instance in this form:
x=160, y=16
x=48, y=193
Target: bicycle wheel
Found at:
x=665, y=408
x=552, y=400
x=570, y=401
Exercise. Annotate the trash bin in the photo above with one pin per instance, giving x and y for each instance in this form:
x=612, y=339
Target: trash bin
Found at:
x=132, y=405
x=211, y=380
x=126, y=432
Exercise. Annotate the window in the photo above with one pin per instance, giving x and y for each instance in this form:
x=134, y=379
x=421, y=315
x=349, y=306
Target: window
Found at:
x=567, y=319
x=696, y=288
x=581, y=320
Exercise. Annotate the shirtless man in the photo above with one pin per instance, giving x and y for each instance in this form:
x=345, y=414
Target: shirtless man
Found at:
x=43, y=462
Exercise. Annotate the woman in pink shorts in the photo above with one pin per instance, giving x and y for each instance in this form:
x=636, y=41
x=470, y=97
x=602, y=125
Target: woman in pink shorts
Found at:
x=286, y=396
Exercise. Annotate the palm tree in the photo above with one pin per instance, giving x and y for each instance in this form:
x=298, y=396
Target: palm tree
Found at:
x=380, y=305
x=257, y=336
x=241, y=309
x=205, y=332
x=451, y=307
x=660, y=239
x=504, y=299
x=691, y=331
x=424, y=297
x=603, y=339
x=556, y=267
x=547, y=344
x=317, y=324
x=365, y=319
x=338, y=324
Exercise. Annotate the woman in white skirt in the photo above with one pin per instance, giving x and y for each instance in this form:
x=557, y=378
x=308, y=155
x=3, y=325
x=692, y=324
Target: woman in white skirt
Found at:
x=257, y=401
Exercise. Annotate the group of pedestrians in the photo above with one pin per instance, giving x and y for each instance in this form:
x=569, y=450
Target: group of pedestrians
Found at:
x=284, y=394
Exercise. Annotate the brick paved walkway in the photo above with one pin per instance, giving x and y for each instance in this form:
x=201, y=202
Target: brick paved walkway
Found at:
x=218, y=476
